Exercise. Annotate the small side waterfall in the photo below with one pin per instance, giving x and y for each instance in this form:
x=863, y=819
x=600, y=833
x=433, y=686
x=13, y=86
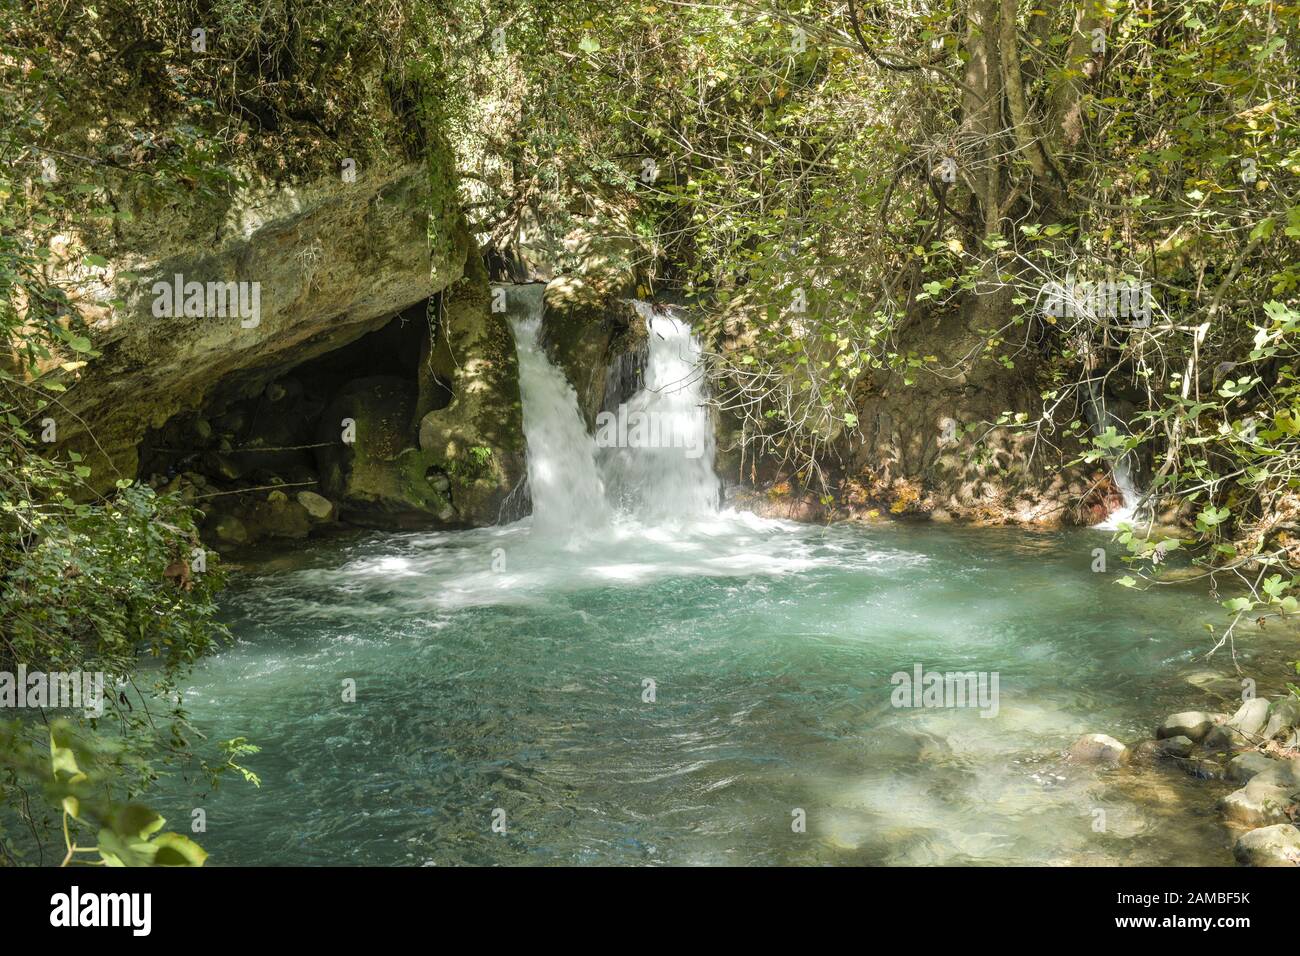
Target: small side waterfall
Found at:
x=567, y=491
x=1121, y=467
x=657, y=449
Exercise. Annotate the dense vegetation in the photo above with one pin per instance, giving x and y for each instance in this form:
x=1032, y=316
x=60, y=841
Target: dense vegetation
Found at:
x=830, y=179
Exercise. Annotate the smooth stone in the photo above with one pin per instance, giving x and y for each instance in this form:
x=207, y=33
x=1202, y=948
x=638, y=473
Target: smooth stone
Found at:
x=223, y=467
x=1243, y=767
x=230, y=530
x=1179, y=746
x=1192, y=724
x=1283, y=718
x=1098, y=748
x=1283, y=773
x=318, y=506
x=1199, y=768
x=1278, y=845
x=277, y=498
x=1259, y=803
x=1250, y=717
x=1224, y=737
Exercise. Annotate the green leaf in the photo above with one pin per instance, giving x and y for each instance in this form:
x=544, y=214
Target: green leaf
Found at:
x=176, y=849
x=137, y=821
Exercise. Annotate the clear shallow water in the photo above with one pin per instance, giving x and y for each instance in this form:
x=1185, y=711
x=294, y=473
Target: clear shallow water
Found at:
x=771, y=645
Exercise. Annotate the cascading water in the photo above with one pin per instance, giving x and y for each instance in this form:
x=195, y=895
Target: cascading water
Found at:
x=1121, y=467
x=657, y=448
x=566, y=487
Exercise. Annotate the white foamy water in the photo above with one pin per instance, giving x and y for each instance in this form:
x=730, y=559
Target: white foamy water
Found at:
x=1121, y=468
x=567, y=490
x=662, y=467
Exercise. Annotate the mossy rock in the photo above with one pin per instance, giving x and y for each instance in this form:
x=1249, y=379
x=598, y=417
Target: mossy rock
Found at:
x=380, y=478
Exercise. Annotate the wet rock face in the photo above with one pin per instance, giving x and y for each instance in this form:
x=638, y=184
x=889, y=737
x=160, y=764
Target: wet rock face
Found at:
x=468, y=419
x=374, y=470
x=599, y=343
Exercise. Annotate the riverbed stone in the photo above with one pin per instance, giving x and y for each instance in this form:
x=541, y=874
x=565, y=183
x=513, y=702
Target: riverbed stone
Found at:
x=1192, y=724
x=1255, y=805
x=1179, y=746
x=1283, y=718
x=1251, y=716
x=1277, y=845
x=1265, y=800
x=1240, y=731
x=1200, y=767
x=1098, y=748
x=1224, y=737
x=1243, y=767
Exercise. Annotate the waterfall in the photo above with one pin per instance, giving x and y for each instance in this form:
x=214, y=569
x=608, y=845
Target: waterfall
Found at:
x=656, y=449
x=567, y=491
x=1121, y=468
x=651, y=458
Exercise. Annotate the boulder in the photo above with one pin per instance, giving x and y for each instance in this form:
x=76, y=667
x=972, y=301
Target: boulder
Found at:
x=1098, y=748
x=1266, y=798
x=1245, y=766
x=1242, y=729
x=1276, y=845
x=222, y=466
x=278, y=518
x=317, y=506
x=228, y=531
x=1251, y=716
x=1176, y=746
x=378, y=478
x=599, y=344
x=1192, y=724
x=468, y=416
x=1283, y=718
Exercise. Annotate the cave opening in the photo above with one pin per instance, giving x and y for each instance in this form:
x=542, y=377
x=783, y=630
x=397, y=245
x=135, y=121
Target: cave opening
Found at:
x=258, y=453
